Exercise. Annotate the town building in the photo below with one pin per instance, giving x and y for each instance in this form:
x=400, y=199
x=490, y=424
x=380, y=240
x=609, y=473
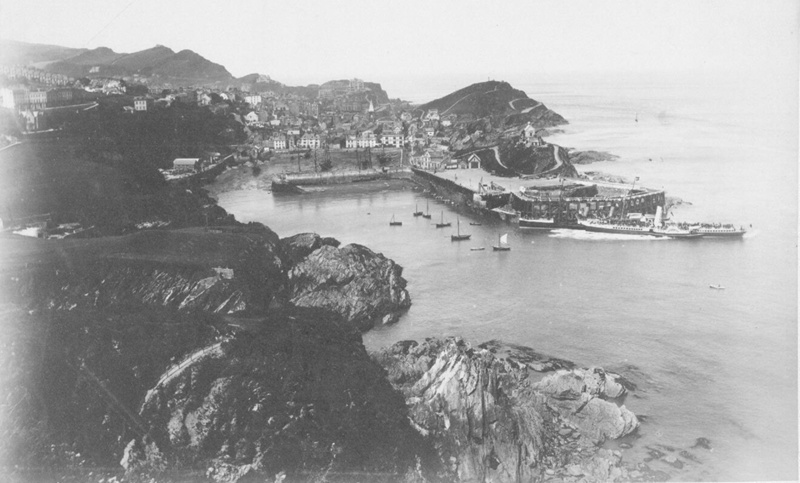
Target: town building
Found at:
x=185, y=164
x=253, y=99
x=142, y=104
x=367, y=139
x=392, y=139
x=277, y=143
x=356, y=85
x=14, y=98
x=310, y=141
x=37, y=99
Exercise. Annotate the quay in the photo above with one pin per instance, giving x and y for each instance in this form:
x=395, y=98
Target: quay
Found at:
x=295, y=181
x=563, y=198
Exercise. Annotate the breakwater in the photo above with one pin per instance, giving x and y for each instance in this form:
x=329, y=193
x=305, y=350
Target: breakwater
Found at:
x=480, y=204
x=291, y=181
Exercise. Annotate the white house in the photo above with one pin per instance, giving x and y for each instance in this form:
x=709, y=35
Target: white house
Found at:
x=277, y=143
x=185, y=164
x=351, y=142
x=310, y=141
x=392, y=139
x=251, y=117
x=253, y=99
x=367, y=139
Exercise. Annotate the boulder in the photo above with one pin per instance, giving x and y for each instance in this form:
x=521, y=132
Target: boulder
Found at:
x=564, y=385
x=363, y=287
x=301, y=245
x=579, y=397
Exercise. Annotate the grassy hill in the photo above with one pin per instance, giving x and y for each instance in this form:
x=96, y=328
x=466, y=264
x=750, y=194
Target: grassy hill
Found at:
x=498, y=101
x=100, y=55
x=158, y=61
x=13, y=52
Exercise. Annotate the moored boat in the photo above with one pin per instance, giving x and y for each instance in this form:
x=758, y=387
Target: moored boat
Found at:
x=536, y=222
x=427, y=214
x=395, y=223
x=416, y=211
x=502, y=244
x=458, y=236
x=442, y=224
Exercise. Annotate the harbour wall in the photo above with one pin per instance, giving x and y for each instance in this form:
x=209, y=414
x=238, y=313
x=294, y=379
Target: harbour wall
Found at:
x=460, y=195
x=643, y=201
x=601, y=206
x=291, y=180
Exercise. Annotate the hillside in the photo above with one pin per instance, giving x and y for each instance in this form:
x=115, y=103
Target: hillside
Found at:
x=161, y=62
x=503, y=105
x=190, y=65
x=100, y=55
x=13, y=52
x=144, y=59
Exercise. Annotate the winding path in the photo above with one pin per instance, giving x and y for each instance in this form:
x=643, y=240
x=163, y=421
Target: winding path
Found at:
x=176, y=370
x=527, y=109
x=470, y=94
x=559, y=161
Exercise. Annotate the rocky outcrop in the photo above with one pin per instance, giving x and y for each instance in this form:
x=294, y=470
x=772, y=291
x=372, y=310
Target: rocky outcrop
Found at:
x=581, y=397
x=299, y=246
x=198, y=325
x=362, y=286
x=491, y=421
x=225, y=270
x=300, y=396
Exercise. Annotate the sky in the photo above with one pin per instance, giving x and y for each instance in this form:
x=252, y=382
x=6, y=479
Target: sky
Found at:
x=300, y=42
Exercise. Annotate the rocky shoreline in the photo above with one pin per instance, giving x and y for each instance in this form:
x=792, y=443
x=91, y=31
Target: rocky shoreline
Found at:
x=226, y=353
x=231, y=352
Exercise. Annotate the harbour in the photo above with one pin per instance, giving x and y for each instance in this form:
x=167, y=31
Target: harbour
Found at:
x=649, y=308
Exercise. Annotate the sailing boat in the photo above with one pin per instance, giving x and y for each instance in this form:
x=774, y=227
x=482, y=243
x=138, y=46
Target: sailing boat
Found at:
x=416, y=211
x=395, y=223
x=427, y=212
x=459, y=236
x=442, y=224
x=502, y=244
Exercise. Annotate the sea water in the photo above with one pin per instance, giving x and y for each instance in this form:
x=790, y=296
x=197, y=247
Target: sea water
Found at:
x=714, y=364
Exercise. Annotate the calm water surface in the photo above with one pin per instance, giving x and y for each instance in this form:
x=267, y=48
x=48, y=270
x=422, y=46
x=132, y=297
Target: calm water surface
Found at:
x=715, y=364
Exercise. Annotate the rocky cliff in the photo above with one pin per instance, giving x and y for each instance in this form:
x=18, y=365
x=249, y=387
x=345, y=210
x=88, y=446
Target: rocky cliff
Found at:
x=492, y=417
x=225, y=354
x=179, y=350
